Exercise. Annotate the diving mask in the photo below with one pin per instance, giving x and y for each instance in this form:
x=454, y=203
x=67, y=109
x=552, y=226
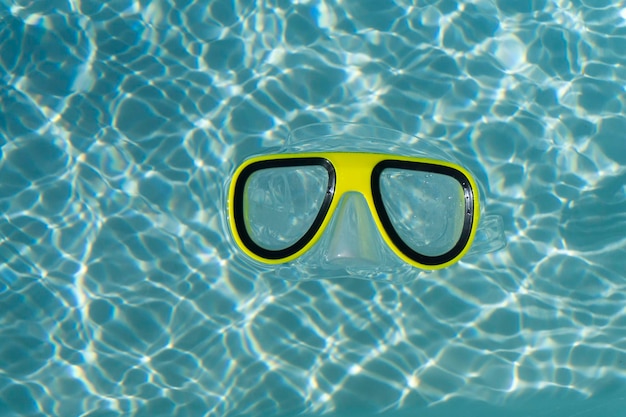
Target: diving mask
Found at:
x=357, y=184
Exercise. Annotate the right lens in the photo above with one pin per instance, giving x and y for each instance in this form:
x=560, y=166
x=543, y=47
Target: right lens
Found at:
x=425, y=208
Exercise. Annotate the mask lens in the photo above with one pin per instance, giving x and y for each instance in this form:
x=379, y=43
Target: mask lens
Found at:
x=426, y=209
x=282, y=203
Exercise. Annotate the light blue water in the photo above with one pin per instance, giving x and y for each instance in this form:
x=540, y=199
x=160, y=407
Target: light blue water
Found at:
x=120, y=296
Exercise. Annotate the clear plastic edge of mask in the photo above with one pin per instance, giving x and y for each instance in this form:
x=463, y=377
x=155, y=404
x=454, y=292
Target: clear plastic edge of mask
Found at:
x=354, y=137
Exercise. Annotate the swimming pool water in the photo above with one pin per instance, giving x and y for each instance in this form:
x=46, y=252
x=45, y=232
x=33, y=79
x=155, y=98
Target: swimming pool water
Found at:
x=120, y=295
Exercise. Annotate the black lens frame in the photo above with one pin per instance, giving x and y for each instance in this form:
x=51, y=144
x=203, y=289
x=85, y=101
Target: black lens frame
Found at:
x=388, y=225
x=238, y=210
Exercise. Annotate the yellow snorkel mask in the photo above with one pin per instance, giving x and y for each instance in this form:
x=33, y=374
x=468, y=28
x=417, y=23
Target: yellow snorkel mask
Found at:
x=355, y=198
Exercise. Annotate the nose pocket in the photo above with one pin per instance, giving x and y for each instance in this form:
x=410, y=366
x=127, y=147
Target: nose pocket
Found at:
x=352, y=236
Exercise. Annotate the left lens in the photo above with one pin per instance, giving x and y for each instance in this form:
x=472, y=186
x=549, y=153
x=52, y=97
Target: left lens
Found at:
x=281, y=204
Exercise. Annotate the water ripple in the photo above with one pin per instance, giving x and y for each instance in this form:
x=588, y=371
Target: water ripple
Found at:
x=122, y=294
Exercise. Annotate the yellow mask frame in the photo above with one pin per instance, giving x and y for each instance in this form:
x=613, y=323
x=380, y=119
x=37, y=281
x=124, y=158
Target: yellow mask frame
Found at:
x=352, y=172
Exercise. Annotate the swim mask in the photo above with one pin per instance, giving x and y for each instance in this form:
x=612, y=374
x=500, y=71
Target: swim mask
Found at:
x=356, y=200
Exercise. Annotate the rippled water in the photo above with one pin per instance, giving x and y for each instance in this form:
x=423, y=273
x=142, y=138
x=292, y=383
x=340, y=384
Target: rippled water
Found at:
x=119, y=294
